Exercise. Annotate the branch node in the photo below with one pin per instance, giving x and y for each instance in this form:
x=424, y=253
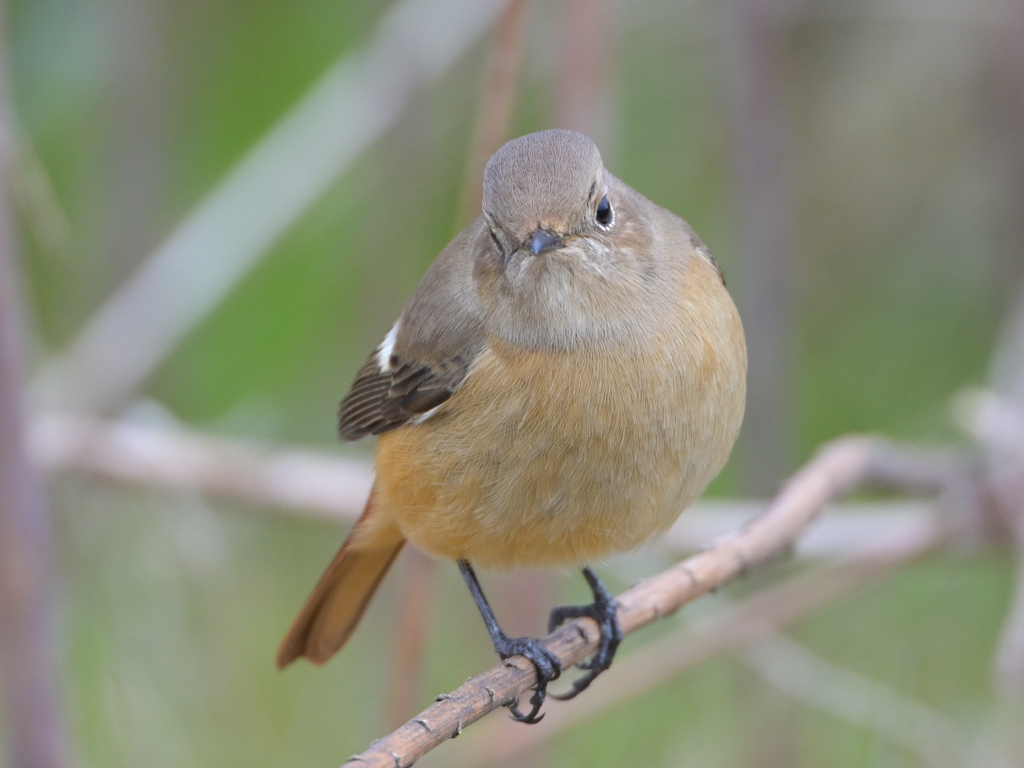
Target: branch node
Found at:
x=423, y=722
x=578, y=626
x=443, y=697
x=691, y=575
x=745, y=562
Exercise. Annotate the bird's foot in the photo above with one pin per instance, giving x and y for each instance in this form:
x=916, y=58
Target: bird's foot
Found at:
x=548, y=665
x=603, y=611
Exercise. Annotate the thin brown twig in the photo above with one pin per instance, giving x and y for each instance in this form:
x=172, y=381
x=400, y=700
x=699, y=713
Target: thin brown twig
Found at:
x=740, y=624
x=836, y=469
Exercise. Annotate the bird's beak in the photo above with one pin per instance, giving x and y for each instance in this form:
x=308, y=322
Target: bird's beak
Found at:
x=542, y=241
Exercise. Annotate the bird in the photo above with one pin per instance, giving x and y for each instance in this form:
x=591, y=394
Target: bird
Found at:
x=567, y=378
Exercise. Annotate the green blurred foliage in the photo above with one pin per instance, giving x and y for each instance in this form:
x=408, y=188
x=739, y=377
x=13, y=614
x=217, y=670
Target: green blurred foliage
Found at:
x=902, y=228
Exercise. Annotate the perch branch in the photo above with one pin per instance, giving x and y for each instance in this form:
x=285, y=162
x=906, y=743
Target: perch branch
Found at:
x=739, y=624
x=836, y=469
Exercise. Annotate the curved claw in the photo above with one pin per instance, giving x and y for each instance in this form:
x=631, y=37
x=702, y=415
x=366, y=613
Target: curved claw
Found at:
x=548, y=667
x=530, y=718
x=603, y=611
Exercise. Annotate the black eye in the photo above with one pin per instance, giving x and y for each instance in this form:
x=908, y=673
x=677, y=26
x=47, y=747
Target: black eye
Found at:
x=604, y=212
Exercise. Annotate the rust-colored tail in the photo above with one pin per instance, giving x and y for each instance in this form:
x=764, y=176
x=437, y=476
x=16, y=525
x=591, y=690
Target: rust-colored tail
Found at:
x=333, y=610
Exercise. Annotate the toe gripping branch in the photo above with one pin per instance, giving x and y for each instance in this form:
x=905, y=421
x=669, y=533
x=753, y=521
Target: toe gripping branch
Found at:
x=548, y=665
x=603, y=611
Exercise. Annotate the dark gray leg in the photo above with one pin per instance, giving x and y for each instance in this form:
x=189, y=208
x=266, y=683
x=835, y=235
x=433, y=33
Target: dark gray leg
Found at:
x=548, y=665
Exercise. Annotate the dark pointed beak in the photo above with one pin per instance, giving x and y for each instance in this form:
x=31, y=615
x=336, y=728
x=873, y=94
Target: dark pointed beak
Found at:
x=543, y=241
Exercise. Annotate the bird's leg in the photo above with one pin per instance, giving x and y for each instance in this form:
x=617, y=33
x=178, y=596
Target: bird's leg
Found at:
x=602, y=610
x=548, y=665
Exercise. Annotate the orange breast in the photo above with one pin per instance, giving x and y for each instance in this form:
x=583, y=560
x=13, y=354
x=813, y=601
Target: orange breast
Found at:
x=561, y=458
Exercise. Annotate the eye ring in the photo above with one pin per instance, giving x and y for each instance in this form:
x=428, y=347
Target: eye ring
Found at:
x=604, y=215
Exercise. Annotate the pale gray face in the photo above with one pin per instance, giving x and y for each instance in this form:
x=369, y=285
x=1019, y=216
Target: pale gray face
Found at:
x=542, y=188
x=572, y=255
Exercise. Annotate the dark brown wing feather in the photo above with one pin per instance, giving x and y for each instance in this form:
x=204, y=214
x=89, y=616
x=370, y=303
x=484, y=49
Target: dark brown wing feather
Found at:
x=380, y=401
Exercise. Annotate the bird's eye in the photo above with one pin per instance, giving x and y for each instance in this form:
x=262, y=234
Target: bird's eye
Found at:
x=604, y=212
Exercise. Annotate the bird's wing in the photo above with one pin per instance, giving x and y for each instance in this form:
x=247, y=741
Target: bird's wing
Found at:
x=428, y=353
x=384, y=397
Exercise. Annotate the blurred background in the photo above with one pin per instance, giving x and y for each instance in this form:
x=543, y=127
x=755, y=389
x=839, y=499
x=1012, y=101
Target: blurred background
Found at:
x=217, y=209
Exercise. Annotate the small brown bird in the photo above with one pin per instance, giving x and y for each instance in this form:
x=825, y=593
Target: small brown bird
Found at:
x=567, y=378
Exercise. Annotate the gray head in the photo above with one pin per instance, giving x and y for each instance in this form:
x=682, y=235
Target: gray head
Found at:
x=543, y=187
x=572, y=256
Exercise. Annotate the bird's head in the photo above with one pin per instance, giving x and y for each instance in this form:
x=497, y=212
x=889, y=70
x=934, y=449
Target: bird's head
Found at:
x=570, y=253
x=545, y=190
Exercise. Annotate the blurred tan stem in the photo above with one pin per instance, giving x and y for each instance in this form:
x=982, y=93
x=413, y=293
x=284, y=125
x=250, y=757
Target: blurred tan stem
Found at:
x=579, y=102
x=582, y=97
x=418, y=576
x=498, y=92
x=764, y=280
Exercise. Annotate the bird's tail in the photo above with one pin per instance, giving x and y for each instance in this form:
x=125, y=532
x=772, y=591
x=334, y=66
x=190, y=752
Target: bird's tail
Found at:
x=333, y=610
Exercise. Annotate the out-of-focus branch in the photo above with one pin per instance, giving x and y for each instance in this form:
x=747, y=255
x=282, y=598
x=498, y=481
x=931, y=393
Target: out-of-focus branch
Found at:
x=847, y=528
x=585, y=58
x=740, y=624
x=837, y=469
x=358, y=99
x=498, y=93
x=764, y=277
x=301, y=481
x=319, y=485
x=995, y=419
x=34, y=735
x=844, y=694
x=418, y=574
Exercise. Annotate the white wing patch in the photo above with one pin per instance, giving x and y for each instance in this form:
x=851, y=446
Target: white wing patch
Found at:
x=427, y=414
x=386, y=348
